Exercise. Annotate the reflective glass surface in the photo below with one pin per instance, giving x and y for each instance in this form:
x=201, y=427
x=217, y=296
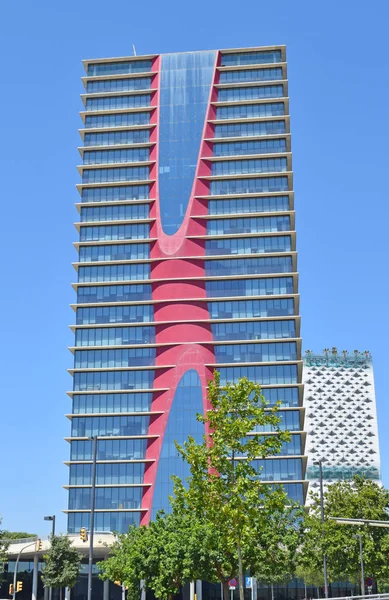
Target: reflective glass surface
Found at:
x=245, y=266
x=104, y=521
x=115, y=194
x=124, y=155
x=251, y=225
x=115, y=314
x=256, y=57
x=267, y=375
x=292, y=448
x=114, y=252
x=256, y=245
x=253, y=330
x=256, y=165
x=114, y=336
x=245, y=111
x=117, y=68
x=250, y=287
x=109, y=449
x=279, y=469
x=250, y=129
x=181, y=423
x=113, y=293
x=116, y=138
x=119, y=174
x=107, y=474
x=113, y=380
x=231, y=353
x=111, y=403
x=287, y=396
x=248, y=186
x=109, y=359
x=115, y=102
x=114, y=273
x=117, y=120
x=88, y=426
x=250, y=93
x=270, y=74
x=118, y=85
x=185, y=86
x=97, y=233
x=290, y=421
x=249, y=147
x=248, y=205
x=108, y=498
x=239, y=309
x=117, y=212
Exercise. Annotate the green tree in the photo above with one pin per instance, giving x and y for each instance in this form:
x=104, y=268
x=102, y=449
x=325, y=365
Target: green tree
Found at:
x=62, y=564
x=359, y=498
x=18, y=535
x=227, y=501
x=4, y=543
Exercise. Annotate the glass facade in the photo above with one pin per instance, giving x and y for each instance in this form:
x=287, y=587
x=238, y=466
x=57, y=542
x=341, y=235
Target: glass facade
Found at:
x=142, y=356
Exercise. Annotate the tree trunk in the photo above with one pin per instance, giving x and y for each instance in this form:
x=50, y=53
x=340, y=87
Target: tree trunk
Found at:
x=226, y=590
x=272, y=591
x=60, y=592
x=318, y=593
x=241, y=588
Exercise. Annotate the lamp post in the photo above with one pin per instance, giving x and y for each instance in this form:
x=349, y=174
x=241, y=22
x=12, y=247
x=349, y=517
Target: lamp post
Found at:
x=92, y=516
x=52, y=519
x=359, y=536
x=320, y=463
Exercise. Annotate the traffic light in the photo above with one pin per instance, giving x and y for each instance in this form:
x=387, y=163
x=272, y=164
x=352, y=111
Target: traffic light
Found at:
x=83, y=534
x=11, y=589
x=117, y=582
x=19, y=586
x=38, y=545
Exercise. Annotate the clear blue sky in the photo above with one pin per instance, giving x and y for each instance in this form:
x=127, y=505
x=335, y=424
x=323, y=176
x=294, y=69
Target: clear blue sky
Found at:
x=338, y=76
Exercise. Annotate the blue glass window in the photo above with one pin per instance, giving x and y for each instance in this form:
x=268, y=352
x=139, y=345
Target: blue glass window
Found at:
x=256, y=245
x=249, y=129
x=111, y=403
x=287, y=396
x=279, y=469
x=119, y=174
x=117, y=212
x=118, y=68
x=104, y=521
x=116, y=138
x=124, y=272
x=246, y=266
x=256, y=165
x=246, y=111
x=251, y=58
x=125, y=155
x=249, y=186
x=185, y=86
x=113, y=293
x=114, y=336
x=115, y=380
x=255, y=352
x=266, y=375
x=248, y=205
x=249, y=147
x=117, y=102
x=109, y=359
x=290, y=420
x=118, y=120
x=245, y=75
x=114, y=252
x=97, y=233
x=109, y=449
x=88, y=426
x=115, y=314
x=181, y=423
x=294, y=447
x=253, y=330
x=118, y=85
x=251, y=225
x=108, y=498
x=107, y=474
x=250, y=287
x=250, y=93
x=239, y=309
x=115, y=194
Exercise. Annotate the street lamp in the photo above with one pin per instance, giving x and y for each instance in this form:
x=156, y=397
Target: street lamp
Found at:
x=92, y=516
x=320, y=464
x=52, y=519
x=359, y=536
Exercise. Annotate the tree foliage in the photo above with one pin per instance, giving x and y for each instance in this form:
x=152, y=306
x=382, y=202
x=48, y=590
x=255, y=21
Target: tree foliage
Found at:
x=62, y=563
x=4, y=543
x=237, y=518
x=359, y=498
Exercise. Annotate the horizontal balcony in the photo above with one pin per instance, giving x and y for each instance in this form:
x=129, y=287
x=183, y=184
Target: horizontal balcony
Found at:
x=246, y=84
x=95, y=166
x=110, y=111
x=79, y=224
x=85, y=130
x=81, y=186
x=71, y=416
x=264, y=174
x=88, y=78
x=251, y=66
x=105, y=93
x=83, y=149
x=226, y=157
x=80, y=205
x=249, y=138
x=238, y=120
x=265, y=100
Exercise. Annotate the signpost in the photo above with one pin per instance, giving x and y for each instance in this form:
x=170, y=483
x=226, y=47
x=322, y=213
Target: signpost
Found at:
x=233, y=583
x=369, y=584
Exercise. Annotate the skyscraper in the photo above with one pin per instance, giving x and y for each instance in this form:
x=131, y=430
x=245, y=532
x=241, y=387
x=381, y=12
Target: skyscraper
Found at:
x=341, y=416
x=186, y=263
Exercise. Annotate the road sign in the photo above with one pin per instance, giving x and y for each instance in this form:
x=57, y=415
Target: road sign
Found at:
x=369, y=582
x=248, y=582
x=232, y=583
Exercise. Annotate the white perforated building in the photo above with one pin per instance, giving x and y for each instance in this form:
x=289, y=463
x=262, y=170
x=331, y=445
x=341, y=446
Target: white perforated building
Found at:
x=340, y=416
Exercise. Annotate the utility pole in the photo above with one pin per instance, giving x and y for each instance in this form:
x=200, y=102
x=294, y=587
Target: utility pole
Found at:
x=92, y=517
x=320, y=463
x=52, y=519
x=359, y=536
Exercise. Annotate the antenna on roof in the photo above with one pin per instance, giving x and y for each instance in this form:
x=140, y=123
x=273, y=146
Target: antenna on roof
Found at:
x=134, y=49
